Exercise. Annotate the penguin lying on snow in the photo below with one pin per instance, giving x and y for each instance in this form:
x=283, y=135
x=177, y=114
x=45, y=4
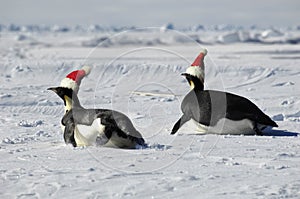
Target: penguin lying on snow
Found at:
x=85, y=127
x=216, y=111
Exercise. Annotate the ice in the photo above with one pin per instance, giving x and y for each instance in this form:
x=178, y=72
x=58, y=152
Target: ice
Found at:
x=138, y=72
x=279, y=117
x=25, y=123
x=226, y=34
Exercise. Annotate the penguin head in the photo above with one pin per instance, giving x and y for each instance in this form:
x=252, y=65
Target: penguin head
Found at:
x=194, y=81
x=67, y=95
x=197, y=69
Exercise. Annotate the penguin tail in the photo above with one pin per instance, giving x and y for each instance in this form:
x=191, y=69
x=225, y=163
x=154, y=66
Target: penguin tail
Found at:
x=274, y=124
x=266, y=120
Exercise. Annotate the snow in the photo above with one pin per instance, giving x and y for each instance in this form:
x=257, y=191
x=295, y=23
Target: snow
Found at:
x=138, y=73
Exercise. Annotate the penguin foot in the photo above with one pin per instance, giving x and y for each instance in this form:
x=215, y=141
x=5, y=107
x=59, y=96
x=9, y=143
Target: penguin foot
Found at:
x=257, y=131
x=101, y=140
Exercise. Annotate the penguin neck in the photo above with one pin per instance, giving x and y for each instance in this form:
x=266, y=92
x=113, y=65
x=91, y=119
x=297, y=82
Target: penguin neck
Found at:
x=196, y=84
x=71, y=102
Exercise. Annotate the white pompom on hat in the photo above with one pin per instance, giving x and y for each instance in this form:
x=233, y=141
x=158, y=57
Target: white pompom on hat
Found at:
x=73, y=79
x=197, y=68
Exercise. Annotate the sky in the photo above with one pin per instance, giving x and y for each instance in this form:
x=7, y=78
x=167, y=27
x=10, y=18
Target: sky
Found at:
x=142, y=13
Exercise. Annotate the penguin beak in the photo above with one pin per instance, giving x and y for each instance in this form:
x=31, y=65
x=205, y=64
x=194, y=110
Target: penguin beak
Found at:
x=184, y=74
x=54, y=89
x=188, y=78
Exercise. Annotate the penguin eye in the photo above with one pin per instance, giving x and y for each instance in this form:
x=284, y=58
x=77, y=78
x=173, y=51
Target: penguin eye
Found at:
x=67, y=111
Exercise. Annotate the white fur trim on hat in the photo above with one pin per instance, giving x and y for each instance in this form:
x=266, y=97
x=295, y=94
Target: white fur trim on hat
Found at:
x=69, y=83
x=73, y=79
x=197, y=72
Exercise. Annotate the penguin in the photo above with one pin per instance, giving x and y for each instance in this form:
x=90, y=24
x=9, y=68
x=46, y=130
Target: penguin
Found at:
x=218, y=112
x=85, y=127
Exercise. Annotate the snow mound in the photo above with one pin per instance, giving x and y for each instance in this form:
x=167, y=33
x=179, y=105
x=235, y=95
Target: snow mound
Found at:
x=25, y=123
x=293, y=117
x=22, y=72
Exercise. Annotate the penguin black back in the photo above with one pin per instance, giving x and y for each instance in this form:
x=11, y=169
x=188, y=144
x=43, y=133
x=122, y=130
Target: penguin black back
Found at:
x=209, y=106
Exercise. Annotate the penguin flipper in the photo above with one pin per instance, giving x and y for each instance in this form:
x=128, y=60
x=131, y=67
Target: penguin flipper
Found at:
x=68, y=122
x=137, y=137
x=117, y=123
x=242, y=107
x=127, y=131
x=256, y=115
x=123, y=123
x=69, y=134
x=184, y=118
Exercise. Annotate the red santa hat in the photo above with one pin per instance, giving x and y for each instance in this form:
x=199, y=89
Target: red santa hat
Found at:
x=197, y=68
x=73, y=79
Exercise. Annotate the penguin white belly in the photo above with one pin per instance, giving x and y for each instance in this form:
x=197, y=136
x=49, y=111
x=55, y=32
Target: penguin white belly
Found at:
x=202, y=129
x=86, y=135
x=227, y=126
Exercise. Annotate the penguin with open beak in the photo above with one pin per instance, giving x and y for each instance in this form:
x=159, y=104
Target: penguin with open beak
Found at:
x=216, y=111
x=84, y=127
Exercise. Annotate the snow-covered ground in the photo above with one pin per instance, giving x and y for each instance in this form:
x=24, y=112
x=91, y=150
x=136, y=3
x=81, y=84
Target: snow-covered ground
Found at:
x=36, y=163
